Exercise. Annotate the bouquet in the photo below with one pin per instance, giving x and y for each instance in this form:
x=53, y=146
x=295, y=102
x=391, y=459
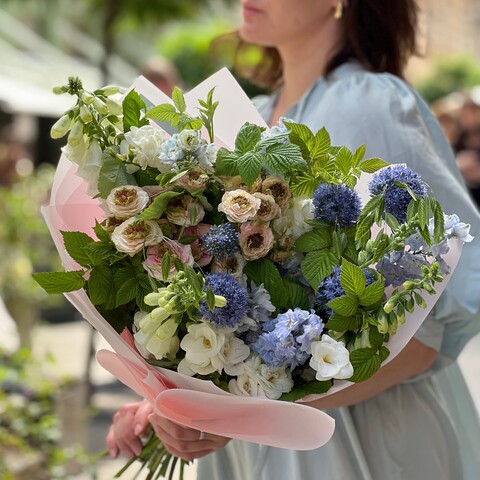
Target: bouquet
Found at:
x=234, y=268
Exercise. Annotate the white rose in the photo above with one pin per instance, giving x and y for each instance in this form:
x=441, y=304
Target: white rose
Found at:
x=189, y=140
x=132, y=235
x=330, y=359
x=292, y=223
x=208, y=158
x=239, y=205
x=126, y=201
x=260, y=380
x=155, y=338
x=233, y=354
x=202, y=345
x=146, y=142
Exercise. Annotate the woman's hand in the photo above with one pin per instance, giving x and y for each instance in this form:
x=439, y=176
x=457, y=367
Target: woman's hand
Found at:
x=128, y=424
x=184, y=442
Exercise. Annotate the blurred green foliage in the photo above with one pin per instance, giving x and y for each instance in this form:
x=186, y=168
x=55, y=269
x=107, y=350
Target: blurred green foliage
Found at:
x=450, y=74
x=30, y=430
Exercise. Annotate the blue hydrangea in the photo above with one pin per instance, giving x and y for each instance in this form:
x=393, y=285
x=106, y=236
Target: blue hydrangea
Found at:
x=288, y=343
x=221, y=240
x=336, y=204
x=237, y=301
x=397, y=198
x=330, y=288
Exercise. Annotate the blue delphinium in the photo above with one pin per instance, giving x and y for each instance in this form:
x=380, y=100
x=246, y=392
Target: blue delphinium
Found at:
x=331, y=288
x=336, y=204
x=288, y=343
x=397, y=198
x=221, y=240
x=236, y=295
x=397, y=269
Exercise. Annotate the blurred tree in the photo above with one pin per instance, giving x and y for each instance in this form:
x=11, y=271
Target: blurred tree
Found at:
x=451, y=74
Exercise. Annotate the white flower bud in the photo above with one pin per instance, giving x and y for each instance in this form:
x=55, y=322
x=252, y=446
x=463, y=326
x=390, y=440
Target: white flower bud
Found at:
x=61, y=127
x=100, y=106
x=85, y=114
x=76, y=134
x=87, y=98
x=110, y=90
x=114, y=107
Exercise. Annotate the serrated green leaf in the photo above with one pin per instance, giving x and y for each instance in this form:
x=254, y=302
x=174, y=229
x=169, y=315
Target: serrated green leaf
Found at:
x=314, y=240
x=283, y=158
x=423, y=212
x=383, y=353
x=358, y=155
x=194, y=281
x=296, y=294
x=126, y=292
x=249, y=167
x=100, y=284
x=227, y=163
x=305, y=185
x=166, y=265
x=372, y=165
x=311, y=388
x=75, y=243
x=101, y=233
x=318, y=265
x=344, y=160
x=375, y=337
x=113, y=173
x=210, y=299
x=372, y=294
x=156, y=209
x=132, y=106
x=322, y=143
x=301, y=136
x=338, y=323
x=371, y=210
x=344, y=305
x=264, y=271
x=352, y=279
x=179, y=100
x=365, y=362
x=60, y=282
x=164, y=113
x=438, y=220
x=247, y=138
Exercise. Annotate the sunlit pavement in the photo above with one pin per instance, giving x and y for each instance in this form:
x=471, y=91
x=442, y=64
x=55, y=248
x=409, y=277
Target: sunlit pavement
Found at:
x=69, y=344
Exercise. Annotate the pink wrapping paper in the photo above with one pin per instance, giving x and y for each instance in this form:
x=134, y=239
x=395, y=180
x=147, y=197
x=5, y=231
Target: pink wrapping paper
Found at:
x=185, y=400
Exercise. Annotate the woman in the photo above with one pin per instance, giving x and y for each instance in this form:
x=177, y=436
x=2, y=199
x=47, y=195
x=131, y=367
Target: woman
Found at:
x=339, y=65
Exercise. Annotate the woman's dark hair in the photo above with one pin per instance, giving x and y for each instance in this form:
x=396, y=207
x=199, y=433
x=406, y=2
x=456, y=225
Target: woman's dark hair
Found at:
x=380, y=34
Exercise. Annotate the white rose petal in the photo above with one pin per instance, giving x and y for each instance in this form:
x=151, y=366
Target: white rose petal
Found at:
x=130, y=239
x=146, y=142
x=330, y=359
x=126, y=201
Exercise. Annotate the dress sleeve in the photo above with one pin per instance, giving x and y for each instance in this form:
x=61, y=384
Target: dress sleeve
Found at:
x=384, y=113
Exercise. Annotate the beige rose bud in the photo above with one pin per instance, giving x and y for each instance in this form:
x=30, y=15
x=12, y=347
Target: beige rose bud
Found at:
x=239, y=205
x=126, y=201
x=133, y=235
x=255, y=240
x=278, y=189
x=268, y=208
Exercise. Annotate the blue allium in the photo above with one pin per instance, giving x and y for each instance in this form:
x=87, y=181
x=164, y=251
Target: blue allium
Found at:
x=397, y=198
x=336, y=204
x=221, y=240
x=330, y=288
x=288, y=344
x=236, y=295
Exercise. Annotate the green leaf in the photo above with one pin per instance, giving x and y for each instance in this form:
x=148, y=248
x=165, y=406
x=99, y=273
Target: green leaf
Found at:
x=371, y=165
x=166, y=265
x=338, y=323
x=60, y=282
x=302, y=136
x=100, y=285
x=126, y=292
x=296, y=295
x=318, y=265
x=210, y=299
x=74, y=244
x=164, y=113
x=322, y=143
x=313, y=240
x=132, y=106
x=195, y=282
x=227, y=163
x=372, y=294
x=352, y=279
x=358, y=155
x=344, y=305
x=264, y=271
x=438, y=220
x=156, y=209
x=101, y=233
x=423, y=212
x=365, y=362
x=247, y=138
x=311, y=388
x=113, y=173
x=281, y=158
x=249, y=167
x=371, y=210
x=179, y=100
x=384, y=353
x=344, y=160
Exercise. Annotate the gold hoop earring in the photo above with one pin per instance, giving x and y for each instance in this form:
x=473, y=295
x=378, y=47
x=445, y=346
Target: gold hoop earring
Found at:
x=338, y=10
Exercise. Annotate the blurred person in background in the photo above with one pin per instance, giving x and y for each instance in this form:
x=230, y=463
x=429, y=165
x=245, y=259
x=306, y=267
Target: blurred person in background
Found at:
x=162, y=73
x=339, y=64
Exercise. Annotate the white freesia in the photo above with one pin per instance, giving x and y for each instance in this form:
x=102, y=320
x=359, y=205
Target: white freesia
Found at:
x=330, y=359
x=260, y=380
x=155, y=338
x=146, y=142
x=133, y=235
x=239, y=206
x=126, y=201
x=292, y=223
x=209, y=350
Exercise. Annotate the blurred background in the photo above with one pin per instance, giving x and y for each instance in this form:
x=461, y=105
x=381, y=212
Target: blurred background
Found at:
x=55, y=402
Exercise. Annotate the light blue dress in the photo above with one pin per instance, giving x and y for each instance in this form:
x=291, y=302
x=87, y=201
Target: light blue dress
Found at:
x=426, y=428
